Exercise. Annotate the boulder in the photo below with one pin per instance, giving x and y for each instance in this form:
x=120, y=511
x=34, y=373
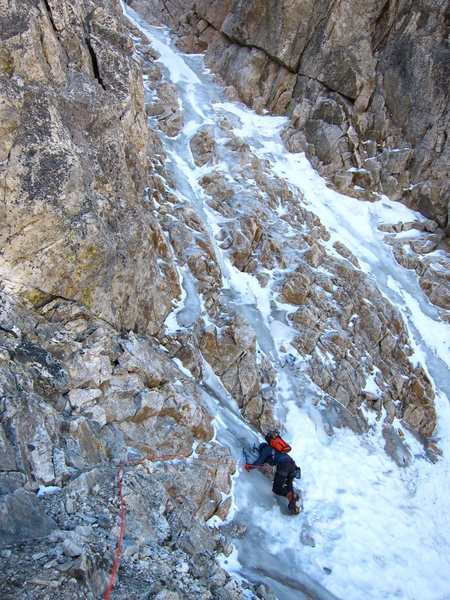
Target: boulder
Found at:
x=22, y=517
x=203, y=147
x=295, y=289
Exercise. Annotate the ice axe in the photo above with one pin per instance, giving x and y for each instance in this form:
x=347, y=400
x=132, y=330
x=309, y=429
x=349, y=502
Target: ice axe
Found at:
x=248, y=461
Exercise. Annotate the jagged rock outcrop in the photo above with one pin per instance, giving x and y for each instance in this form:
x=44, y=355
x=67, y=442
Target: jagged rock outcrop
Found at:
x=76, y=394
x=76, y=391
x=365, y=84
x=354, y=340
x=231, y=352
x=166, y=550
x=426, y=254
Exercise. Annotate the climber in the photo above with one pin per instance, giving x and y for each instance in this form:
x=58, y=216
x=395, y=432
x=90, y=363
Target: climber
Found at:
x=286, y=469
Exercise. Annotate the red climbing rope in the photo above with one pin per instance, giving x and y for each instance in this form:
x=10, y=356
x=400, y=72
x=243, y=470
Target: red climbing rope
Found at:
x=119, y=543
x=163, y=457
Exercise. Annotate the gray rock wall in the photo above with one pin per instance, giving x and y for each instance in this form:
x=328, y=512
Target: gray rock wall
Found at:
x=76, y=394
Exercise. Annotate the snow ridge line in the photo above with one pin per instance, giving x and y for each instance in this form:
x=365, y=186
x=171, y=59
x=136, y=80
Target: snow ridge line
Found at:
x=155, y=459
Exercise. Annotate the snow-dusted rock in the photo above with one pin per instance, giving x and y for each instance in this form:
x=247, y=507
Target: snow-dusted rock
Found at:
x=364, y=97
x=203, y=147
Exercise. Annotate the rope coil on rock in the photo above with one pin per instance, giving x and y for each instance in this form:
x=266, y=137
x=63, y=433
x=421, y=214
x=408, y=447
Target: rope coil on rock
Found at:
x=154, y=459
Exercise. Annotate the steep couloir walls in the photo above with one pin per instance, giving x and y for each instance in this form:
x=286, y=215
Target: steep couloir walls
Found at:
x=365, y=84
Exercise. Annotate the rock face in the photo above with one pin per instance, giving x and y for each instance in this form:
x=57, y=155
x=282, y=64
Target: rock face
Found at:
x=74, y=165
x=422, y=247
x=70, y=404
x=23, y=518
x=365, y=84
x=75, y=395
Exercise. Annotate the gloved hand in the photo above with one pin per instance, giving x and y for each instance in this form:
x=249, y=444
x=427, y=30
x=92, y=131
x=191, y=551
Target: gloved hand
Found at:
x=248, y=467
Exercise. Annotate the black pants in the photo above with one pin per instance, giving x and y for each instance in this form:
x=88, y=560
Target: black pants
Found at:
x=284, y=476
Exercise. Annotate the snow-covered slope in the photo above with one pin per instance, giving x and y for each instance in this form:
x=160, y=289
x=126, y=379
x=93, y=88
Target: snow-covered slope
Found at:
x=369, y=528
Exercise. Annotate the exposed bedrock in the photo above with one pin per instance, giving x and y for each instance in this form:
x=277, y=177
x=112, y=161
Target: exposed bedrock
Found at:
x=74, y=221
